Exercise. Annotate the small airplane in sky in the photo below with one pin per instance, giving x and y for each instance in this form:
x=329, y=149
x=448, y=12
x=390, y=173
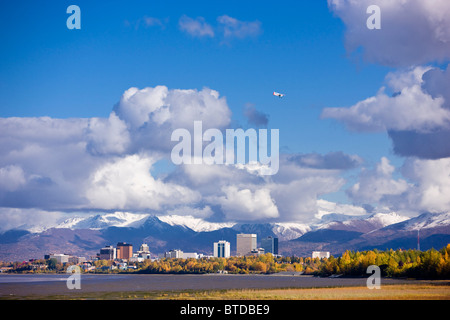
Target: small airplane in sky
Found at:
x=281, y=95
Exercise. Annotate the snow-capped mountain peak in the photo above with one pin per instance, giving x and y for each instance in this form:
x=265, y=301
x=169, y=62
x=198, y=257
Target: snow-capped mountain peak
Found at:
x=386, y=219
x=101, y=221
x=196, y=224
x=428, y=220
x=362, y=223
x=290, y=230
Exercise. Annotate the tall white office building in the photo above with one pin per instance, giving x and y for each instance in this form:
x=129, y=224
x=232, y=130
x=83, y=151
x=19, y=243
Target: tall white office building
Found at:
x=222, y=249
x=245, y=243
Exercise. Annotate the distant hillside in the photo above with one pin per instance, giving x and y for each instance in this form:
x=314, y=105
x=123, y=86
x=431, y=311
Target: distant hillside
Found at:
x=85, y=237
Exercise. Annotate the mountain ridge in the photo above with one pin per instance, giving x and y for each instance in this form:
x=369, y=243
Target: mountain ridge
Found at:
x=85, y=236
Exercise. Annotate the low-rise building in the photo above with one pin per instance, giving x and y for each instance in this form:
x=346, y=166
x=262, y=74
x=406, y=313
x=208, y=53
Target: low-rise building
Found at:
x=87, y=267
x=173, y=254
x=60, y=258
x=5, y=269
x=76, y=260
x=189, y=255
x=256, y=252
x=122, y=265
x=146, y=256
x=136, y=258
x=320, y=254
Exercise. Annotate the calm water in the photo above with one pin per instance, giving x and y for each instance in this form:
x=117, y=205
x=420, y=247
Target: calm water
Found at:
x=24, y=278
x=50, y=284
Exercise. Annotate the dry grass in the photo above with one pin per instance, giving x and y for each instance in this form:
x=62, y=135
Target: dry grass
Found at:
x=390, y=292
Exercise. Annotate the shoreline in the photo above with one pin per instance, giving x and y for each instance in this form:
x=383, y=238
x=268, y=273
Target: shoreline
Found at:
x=275, y=274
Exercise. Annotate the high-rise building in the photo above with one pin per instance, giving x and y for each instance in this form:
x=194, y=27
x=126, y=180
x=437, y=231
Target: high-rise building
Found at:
x=245, y=243
x=144, y=248
x=124, y=250
x=107, y=253
x=222, y=249
x=270, y=244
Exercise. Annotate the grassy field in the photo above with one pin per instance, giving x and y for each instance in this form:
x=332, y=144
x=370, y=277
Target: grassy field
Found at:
x=392, y=292
x=437, y=291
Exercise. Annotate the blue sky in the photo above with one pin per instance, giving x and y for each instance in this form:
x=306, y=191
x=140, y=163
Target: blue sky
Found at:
x=48, y=70
x=297, y=48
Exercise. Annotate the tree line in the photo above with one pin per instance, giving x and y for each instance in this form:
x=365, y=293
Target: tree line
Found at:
x=400, y=263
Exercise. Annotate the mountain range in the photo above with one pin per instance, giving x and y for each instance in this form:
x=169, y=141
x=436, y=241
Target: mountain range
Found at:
x=84, y=236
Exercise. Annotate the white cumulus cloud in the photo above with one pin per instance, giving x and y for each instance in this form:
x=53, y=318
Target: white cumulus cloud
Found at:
x=245, y=204
x=377, y=185
x=413, y=32
x=432, y=184
x=12, y=178
x=126, y=183
x=410, y=108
